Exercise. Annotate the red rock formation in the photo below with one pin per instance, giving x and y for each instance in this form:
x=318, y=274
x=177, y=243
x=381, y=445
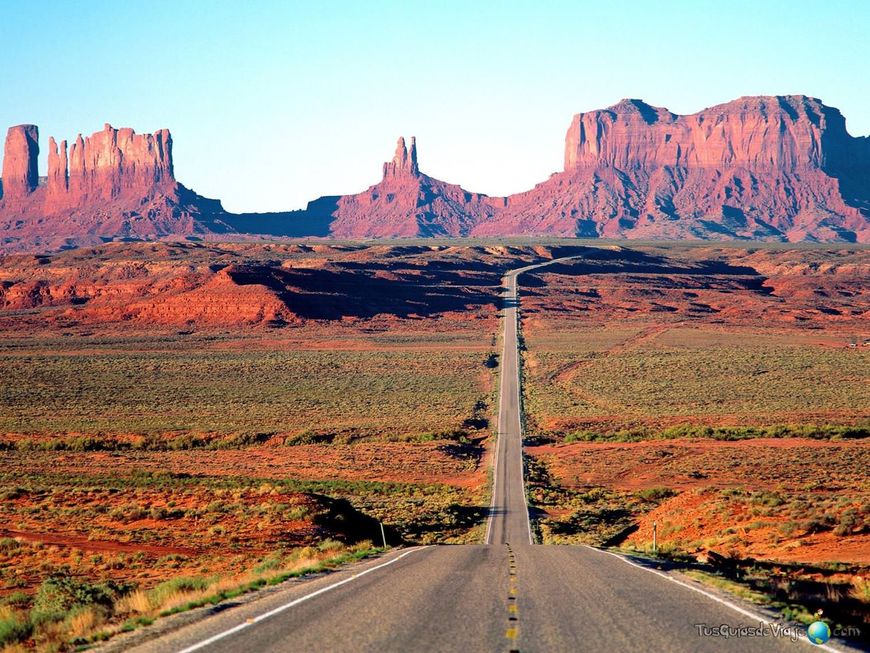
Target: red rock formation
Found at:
x=404, y=164
x=765, y=168
x=20, y=176
x=58, y=175
x=112, y=184
x=221, y=299
x=113, y=163
x=783, y=133
x=408, y=203
x=768, y=168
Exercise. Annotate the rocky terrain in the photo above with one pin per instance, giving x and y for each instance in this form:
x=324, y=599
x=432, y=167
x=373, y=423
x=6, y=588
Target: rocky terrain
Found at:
x=253, y=284
x=780, y=168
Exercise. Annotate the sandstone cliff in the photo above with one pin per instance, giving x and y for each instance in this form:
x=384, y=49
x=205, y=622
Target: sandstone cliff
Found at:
x=115, y=162
x=780, y=168
x=110, y=185
x=20, y=176
x=780, y=133
x=768, y=168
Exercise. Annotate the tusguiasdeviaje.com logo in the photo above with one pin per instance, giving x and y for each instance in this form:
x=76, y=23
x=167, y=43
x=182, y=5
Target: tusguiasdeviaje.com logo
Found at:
x=818, y=632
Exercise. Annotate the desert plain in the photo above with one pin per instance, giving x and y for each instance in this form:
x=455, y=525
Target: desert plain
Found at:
x=183, y=421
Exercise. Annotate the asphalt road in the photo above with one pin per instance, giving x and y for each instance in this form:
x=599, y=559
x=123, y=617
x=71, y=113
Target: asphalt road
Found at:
x=507, y=595
x=509, y=515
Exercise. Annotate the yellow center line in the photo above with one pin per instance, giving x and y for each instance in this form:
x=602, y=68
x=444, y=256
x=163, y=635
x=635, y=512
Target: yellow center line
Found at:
x=513, y=631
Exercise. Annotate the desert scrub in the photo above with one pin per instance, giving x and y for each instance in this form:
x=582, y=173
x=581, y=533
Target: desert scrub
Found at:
x=796, y=592
x=241, y=513
x=14, y=625
x=237, y=394
x=655, y=494
x=68, y=612
x=727, y=433
x=661, y=379
x=590, y=515
x=741, y=522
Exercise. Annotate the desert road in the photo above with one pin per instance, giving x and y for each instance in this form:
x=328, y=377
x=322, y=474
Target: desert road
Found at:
x=509, y=594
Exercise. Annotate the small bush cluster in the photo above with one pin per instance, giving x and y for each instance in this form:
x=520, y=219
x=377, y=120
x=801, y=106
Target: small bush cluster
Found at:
x=70, y=612
x=727, y=433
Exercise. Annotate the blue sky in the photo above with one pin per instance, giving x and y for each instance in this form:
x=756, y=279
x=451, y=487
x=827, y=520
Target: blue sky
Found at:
x=272, y=104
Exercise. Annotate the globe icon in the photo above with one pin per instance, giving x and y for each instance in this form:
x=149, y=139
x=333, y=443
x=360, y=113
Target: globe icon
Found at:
x=819, y=632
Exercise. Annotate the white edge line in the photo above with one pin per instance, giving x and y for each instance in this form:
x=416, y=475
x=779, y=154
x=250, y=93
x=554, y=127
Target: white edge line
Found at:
x=736, y=608
x=281, y=608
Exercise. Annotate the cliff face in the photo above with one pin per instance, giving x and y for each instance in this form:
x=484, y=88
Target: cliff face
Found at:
x=113, y=184
x=785, y=134
x=768, y=168
x=110, y=164
x=20, y=176
x=408, y=203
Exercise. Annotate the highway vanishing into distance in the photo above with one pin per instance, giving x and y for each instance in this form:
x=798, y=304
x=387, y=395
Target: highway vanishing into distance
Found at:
x=509, y=594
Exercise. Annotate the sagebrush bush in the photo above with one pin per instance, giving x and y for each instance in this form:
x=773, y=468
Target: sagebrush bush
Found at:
x=60, y=593
x=14, y=627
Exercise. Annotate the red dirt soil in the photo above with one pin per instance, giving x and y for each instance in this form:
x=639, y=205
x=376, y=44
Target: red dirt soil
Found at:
x=754, y=464
x=820, y=475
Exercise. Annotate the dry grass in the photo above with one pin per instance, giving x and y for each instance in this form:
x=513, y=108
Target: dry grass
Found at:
x=82, y=622
x=136, y=602
x=76, y=621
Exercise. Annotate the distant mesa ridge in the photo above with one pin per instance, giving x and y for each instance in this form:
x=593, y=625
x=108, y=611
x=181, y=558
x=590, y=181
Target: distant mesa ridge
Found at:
x=762, y=168
x=113, y=184
x=779, y=168
x=786, y=133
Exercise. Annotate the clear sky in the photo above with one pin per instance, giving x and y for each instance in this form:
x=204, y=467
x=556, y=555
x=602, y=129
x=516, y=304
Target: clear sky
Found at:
x=272, y=104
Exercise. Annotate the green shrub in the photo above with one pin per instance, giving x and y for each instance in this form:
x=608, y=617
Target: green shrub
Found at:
x=771, y=499
x=789, y=528
x=272, y=561
x=330, y=545
x=13, y=628
x=61, y=593
x=161, y=592
x=13, y=493
x=17, y=599
x=655, y=494
x=848, y=522
x=9, y=544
